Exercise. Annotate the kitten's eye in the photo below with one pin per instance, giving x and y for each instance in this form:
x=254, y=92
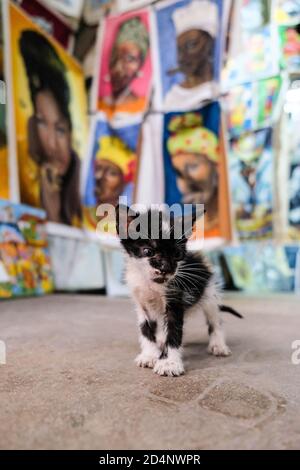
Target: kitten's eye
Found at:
x=147, y=252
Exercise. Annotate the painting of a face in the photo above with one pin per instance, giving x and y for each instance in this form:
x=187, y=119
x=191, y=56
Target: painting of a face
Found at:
x=125, y=63
x=53, y=132
x=195, y=50
x=196, y=177
x=109, y=181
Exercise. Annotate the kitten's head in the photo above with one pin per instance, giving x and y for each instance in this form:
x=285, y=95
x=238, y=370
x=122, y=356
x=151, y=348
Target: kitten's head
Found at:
x=155, y=250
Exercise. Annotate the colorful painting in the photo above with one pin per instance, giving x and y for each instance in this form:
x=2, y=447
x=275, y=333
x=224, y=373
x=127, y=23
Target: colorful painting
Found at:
x=192, y=161
x=252, y=106
x=251, y=175
x=287, y=12
x=125, y=66
x=253, y=45
x=260, y=267
x=24, y=256
x=290, y=47
x=294, y=185
x=190, y=47
x=50, y=119
x=112, y=166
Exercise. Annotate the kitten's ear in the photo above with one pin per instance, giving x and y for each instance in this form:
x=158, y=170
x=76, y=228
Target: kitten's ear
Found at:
x=124, y=216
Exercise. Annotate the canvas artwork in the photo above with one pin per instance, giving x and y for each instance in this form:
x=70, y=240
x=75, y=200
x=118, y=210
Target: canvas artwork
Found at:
x=253, y=51
x=124, y=68
x=193, y=162
x=294, y=177
x=112, y=166
x=287, y=12
x=251, y=164
x=24, y=255
x=190, y=42
x=260, y=267
x=252, y=105
x=50, y=111
x=47, y=19
x=290, y=47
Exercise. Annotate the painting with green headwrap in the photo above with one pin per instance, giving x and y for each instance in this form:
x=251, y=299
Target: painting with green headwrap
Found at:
x=50, y=110
x=124, y=74
x=194, y=164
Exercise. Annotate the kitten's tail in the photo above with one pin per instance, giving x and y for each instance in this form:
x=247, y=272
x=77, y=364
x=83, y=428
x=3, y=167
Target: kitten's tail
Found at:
x=225, y=308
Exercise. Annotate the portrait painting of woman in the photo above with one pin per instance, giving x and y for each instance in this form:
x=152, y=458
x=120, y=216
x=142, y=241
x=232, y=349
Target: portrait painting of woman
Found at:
x=125, y=68
x=111, y=166
x=194, y=165
x=50, y=121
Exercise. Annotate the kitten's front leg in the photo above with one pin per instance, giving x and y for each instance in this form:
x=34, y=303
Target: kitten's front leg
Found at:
x=170, y=362
x=150, y=352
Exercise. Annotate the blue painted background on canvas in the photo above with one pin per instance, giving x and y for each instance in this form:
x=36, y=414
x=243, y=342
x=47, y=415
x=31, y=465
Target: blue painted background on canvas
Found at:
x=211, y=120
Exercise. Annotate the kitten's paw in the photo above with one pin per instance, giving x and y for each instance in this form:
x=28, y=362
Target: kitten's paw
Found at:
x=168, y=367
x=218, y=349
x=146, y=360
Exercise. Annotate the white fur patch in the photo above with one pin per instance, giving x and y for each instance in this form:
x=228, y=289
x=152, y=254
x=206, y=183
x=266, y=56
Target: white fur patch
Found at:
x=217, y=346
x=146, y=293
x=210, y=305
x=149, y=355
x=172, y=365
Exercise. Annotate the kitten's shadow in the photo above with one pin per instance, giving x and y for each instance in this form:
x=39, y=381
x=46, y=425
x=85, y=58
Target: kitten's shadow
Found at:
x=195, y=350
x=196, y=356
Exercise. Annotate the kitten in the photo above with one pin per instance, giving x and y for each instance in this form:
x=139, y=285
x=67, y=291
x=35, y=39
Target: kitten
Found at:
x=166, y=283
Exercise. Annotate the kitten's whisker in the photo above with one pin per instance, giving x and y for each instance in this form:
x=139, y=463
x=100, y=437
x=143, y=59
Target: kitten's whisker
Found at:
x=194, y=274
x=186, y=278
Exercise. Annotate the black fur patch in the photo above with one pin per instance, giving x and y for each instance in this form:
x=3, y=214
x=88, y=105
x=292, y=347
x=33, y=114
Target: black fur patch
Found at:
x=148, y=329
x=210, y=329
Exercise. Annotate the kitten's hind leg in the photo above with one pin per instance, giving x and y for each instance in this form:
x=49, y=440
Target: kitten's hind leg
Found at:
x=150, y=352
x=217, y=345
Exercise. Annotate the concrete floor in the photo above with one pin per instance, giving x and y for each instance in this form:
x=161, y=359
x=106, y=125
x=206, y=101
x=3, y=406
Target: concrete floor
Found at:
x=70, y=381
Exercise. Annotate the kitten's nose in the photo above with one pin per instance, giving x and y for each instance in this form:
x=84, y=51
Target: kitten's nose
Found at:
x=164, y=268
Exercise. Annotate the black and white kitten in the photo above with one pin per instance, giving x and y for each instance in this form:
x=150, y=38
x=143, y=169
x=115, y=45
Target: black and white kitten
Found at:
x=166, y=283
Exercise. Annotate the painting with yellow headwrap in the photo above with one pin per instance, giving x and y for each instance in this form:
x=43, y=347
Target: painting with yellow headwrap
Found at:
x=112, y=165
x=50, y=120
x=194, y=165
x=124, y=72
